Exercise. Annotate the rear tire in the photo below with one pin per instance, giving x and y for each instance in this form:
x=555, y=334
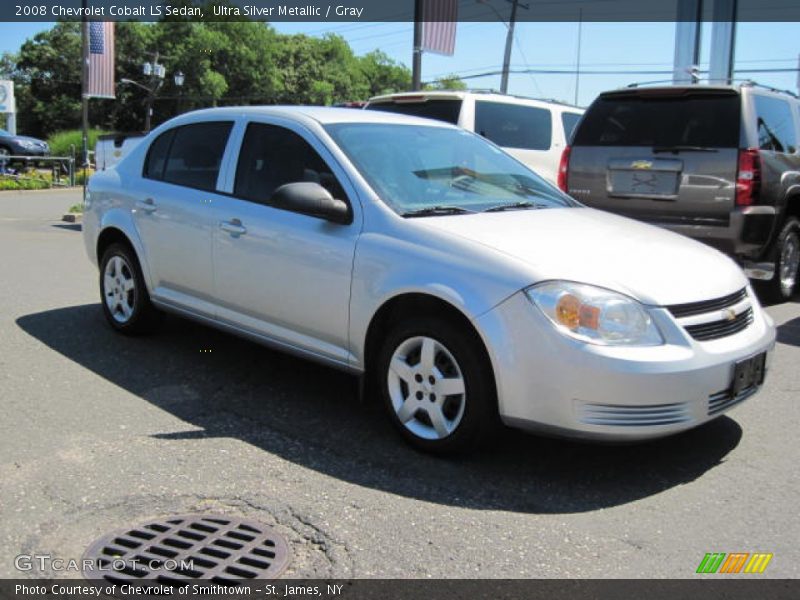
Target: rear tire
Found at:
x=123, y=293
x=785, y=255
x=437, y=385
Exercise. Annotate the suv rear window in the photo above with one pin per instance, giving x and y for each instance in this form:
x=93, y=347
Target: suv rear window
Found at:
x=708, y=120
x=514, y=125
x=441, y=110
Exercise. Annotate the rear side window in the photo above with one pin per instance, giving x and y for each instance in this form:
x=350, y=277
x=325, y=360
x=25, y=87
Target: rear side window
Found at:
x=776, y=129
x=157, y=155
x=272, y=156
x=514, y=125
x=194, y=155
x=569, y=120
x=440, y=110
x=710, y=121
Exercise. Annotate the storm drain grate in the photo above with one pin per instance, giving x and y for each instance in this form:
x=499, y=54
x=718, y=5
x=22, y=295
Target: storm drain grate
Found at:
x=186, y=548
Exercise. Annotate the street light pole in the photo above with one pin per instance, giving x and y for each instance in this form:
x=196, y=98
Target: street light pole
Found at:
x=416, y=65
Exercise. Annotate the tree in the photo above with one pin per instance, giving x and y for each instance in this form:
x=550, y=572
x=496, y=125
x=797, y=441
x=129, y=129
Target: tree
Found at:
x=450, y=82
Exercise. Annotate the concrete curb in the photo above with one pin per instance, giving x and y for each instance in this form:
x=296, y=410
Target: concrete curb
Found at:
x=72, y=217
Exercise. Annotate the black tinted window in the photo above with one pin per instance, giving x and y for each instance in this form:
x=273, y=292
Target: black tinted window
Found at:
x=707, y=121
x=514, y=126
x=157, y=155
x=272, y=156
x=441, y=110
x=569, y=120
x=775, y=125
x=196, y=153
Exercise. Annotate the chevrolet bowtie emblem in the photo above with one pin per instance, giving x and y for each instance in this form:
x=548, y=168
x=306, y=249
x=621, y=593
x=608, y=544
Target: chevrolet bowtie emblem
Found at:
x=729, y=314
x=641, y=164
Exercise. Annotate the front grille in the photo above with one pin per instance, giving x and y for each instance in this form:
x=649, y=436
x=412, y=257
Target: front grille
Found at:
x=707, y=306
x=722, y=401
x=634, y=416
x=722, y=328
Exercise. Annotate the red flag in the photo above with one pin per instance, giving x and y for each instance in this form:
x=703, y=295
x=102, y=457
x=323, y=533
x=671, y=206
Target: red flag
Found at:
x=101, y=59
x=439, y=19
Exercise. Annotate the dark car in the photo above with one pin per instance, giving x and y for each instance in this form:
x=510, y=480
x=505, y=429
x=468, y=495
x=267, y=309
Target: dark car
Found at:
x=20, y=145
x=717, y=163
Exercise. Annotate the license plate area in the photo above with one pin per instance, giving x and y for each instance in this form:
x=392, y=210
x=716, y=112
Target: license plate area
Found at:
x=660, y=185
x=748, y=373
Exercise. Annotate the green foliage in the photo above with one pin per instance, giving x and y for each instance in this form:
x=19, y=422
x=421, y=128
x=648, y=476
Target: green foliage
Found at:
x=450, y=82
x=82, y=176
x=224, y=63
x=75, y=209
x=61, y=143
x=11, y=183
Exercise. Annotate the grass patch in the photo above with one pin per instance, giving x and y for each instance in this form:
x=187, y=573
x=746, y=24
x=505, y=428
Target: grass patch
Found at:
x=76, y=209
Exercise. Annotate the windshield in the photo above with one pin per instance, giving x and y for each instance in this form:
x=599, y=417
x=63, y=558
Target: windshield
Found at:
x=441, y=170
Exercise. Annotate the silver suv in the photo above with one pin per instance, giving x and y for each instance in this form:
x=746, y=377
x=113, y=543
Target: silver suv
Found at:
x=717, y=163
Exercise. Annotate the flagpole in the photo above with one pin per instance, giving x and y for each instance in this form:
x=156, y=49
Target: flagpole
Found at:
x=85, y=94
x=416, y=69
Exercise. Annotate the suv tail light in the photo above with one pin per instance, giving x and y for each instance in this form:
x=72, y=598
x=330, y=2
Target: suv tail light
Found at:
x=748, y=178
x=563, y=167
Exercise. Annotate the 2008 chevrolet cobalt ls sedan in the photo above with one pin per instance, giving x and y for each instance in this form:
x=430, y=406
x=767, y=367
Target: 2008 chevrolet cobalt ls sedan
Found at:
x=467, y=289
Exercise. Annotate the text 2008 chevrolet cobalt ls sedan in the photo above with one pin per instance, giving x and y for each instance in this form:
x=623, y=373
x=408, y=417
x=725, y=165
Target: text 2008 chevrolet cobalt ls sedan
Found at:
x=423, y=256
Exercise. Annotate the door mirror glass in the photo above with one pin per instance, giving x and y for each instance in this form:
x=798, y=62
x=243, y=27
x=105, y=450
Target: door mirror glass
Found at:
x=308, y=198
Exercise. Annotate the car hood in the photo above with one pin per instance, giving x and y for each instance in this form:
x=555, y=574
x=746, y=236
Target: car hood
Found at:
x=25, y=138
x=654, y=265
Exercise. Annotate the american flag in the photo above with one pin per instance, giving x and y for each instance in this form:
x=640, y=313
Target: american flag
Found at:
x=439, y=19
x=101, y=59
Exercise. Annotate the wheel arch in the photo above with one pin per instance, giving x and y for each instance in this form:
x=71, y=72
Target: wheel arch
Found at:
x=114, y=232
x=416, y=304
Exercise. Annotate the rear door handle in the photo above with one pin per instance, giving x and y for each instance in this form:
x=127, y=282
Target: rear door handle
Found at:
x=234, y=227
x=148, y=205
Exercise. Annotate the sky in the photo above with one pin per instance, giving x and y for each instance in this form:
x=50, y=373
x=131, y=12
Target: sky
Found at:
x=625, y=47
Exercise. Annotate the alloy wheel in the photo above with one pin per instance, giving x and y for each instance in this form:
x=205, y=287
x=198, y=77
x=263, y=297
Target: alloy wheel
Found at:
x=119, y=289
x=426, y=388
x=789, y=263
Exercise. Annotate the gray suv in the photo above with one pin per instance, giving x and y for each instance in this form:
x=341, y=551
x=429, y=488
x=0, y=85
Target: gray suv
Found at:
x=717, y=163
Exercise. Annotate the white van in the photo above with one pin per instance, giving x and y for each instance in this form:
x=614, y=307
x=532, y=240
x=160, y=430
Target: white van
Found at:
x=533, y=131
x=110, y=148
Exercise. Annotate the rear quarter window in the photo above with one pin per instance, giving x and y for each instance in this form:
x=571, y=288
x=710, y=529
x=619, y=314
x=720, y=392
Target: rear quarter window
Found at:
x=776, y=128
x=569, y=121
x=440, y=110
x=514, y=125
x=711, y=121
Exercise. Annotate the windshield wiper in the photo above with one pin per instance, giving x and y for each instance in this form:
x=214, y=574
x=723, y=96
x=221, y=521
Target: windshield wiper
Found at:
x=433, y=211
x=676, y=149
x=513, y=206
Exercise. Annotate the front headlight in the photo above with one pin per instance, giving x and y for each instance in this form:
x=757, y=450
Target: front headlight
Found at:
x=595, y=315
x=28, y=145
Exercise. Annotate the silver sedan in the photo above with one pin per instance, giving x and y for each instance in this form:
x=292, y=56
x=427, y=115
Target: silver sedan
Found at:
x=467, y=290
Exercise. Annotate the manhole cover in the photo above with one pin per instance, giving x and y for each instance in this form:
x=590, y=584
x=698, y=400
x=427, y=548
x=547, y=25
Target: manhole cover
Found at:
x=186, y=548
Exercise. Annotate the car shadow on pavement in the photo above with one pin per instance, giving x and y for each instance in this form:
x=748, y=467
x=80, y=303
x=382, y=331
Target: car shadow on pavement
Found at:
x=312, y=416
x=789, y=332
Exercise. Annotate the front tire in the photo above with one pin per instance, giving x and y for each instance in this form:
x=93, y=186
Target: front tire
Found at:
x=123, y=293
x=786, y=257
x=437, y=385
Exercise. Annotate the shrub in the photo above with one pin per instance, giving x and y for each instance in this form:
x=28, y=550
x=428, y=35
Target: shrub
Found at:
x=61, y=142
x=9, y=183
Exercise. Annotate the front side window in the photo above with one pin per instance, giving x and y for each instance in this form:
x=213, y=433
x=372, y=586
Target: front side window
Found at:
x=413, y=168
x=514, y=125
x=776, y=130
x=189, y=155
x=273, y=156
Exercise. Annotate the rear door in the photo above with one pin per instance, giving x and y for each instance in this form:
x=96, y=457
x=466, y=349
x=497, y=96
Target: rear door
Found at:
x=525, y=132
x=668, y=156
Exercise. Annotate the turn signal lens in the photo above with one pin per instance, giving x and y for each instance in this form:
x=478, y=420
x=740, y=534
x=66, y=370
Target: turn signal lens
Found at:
x=595, y=315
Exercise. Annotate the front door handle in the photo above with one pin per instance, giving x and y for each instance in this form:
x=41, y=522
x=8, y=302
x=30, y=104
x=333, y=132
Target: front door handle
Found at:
x=147, y=205
x=234, y=227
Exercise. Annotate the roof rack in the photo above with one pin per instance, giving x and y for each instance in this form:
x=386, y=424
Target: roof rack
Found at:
x=751, y=83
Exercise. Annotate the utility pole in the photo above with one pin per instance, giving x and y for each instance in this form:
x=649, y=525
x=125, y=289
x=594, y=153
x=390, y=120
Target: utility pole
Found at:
x=509, y=45
x=578, y=57
x=416, y=70
x=85, y=90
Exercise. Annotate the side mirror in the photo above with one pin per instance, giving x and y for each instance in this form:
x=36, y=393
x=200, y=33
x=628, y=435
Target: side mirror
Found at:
x=311, y=199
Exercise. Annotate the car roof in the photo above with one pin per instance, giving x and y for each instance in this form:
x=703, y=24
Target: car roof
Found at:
x=325, y=115
x=483, y=94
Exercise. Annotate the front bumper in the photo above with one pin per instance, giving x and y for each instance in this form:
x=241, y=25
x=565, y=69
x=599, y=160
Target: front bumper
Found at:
x=551, y=383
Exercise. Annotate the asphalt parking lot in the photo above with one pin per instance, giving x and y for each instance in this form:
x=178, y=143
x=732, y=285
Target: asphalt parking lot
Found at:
x=99, y=432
